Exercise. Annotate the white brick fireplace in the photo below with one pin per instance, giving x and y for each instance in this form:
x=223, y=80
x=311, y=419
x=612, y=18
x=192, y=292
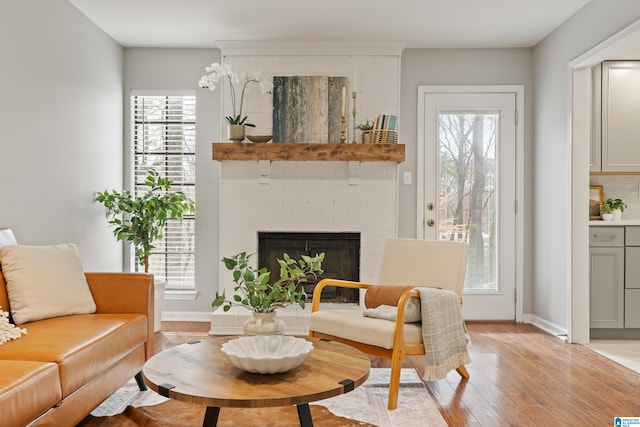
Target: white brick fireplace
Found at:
x=309, y=196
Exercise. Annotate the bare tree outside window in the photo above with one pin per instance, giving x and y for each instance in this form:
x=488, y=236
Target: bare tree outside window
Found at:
x=467, y=184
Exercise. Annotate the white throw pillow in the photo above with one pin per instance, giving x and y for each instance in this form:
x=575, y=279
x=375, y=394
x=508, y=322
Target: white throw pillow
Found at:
x=389, y=312
x=45, y=282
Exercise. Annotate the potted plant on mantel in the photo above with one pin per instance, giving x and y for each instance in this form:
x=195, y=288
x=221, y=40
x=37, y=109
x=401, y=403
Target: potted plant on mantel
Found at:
x=217, y=72
x=254, y=292
x=144, y=219
x=612, y=209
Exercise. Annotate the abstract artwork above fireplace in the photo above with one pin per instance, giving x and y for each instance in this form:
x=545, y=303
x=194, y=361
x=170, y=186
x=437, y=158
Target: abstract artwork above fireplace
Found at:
x=308, y=108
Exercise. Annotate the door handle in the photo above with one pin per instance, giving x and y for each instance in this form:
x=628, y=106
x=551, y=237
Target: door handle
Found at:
x=430, y=222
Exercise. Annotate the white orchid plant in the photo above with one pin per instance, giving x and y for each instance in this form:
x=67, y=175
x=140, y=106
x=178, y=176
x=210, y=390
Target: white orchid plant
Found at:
x=217, y=72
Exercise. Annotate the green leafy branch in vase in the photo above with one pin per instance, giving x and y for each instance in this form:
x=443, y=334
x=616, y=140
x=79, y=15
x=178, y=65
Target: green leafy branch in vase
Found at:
x=253, y=290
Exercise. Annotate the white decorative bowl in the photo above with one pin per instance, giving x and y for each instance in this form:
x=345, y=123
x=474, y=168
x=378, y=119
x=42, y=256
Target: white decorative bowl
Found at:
x=267, y=354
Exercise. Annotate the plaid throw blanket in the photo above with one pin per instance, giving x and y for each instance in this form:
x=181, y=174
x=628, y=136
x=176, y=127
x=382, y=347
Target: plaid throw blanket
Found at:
x=443, y=332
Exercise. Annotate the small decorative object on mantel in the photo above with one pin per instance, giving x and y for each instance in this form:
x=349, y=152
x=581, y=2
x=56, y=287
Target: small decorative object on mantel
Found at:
x=256, y=294
x=237, y=122
x=235, y=132
x=365, y=128
x=381, y=131
x=354, y=95
x=259, y=138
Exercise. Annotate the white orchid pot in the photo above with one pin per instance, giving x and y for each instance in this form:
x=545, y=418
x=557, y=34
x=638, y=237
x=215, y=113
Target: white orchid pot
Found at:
x=235, y=133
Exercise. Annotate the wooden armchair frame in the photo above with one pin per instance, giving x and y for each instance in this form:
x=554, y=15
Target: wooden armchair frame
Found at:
x=400, y=347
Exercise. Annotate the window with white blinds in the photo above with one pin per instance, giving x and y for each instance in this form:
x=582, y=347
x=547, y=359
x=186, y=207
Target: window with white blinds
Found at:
x=164, y=138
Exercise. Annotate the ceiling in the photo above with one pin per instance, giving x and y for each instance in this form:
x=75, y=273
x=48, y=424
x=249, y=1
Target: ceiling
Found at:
x=418, y=23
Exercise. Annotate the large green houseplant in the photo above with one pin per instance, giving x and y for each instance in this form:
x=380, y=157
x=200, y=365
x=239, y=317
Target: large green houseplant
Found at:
x=140, y=219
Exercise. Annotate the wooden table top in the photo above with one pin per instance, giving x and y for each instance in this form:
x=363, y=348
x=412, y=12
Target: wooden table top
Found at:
x=199, y=372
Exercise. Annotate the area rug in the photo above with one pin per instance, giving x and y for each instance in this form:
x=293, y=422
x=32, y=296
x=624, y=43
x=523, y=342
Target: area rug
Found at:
x=365, y=406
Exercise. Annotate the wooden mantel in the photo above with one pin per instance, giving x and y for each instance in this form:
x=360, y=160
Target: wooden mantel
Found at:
x=306, y=152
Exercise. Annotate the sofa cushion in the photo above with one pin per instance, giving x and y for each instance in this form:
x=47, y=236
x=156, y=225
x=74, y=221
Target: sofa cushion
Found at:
x=45, y=281
x=83, y=346
x=352, y=325
x=27, y=389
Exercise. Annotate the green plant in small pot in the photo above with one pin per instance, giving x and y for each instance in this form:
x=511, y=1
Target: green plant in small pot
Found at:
x=368, y=125
x=254, y=291
x=612, y=209
x=365, y=128
x=140, y=220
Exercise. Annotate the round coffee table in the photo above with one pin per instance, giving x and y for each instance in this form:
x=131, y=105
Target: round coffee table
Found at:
x=199, y=372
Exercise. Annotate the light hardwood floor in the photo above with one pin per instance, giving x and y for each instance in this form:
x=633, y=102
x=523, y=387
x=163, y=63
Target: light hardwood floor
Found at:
x=520, y=376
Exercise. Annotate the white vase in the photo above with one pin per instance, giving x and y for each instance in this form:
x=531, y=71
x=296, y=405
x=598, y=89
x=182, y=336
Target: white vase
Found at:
x=264, y=324
x=235, y=133
x=617, y=215
x=607, y=216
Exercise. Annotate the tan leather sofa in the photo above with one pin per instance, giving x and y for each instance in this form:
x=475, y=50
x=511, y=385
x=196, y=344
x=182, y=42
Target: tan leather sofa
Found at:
x=64, y=367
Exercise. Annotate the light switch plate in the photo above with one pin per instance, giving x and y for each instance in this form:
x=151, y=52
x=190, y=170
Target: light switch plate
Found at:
x=406, y=178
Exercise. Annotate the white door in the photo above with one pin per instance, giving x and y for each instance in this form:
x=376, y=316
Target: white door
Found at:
x=467, y=172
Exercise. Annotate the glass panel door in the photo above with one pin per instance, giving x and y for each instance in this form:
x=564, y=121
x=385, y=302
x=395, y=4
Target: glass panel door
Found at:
x=466, y=193
x=469, y=181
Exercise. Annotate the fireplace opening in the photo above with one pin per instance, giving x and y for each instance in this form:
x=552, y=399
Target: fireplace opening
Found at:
x=341, y=261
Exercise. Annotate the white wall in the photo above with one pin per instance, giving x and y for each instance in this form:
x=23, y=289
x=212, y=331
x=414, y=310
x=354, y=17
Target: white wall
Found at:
x=181, y=69
x=552, y=173
x=463, y=67
x=60, y=127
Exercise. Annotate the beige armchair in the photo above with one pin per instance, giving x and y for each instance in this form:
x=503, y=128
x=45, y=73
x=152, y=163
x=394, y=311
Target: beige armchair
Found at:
x=406, y=264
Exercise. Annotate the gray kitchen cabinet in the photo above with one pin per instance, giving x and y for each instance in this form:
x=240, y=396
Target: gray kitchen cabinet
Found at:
x=607, y=266
x=632, y=278
x=620, y=151
x=632, y=308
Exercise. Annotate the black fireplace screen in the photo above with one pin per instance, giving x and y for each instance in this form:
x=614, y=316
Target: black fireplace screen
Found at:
x=342, y=258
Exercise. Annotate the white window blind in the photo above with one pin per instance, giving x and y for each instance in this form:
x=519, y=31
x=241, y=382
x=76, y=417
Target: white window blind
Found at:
x=164, y=138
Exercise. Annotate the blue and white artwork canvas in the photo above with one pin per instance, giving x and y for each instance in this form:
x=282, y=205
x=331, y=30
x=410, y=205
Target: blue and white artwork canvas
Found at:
x=308, y=108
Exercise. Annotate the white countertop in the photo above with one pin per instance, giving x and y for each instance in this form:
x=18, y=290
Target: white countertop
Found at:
x=620, y=223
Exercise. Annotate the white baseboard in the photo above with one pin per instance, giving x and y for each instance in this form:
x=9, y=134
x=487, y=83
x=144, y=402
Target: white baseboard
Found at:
x=186, y=316
x=545, y=325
